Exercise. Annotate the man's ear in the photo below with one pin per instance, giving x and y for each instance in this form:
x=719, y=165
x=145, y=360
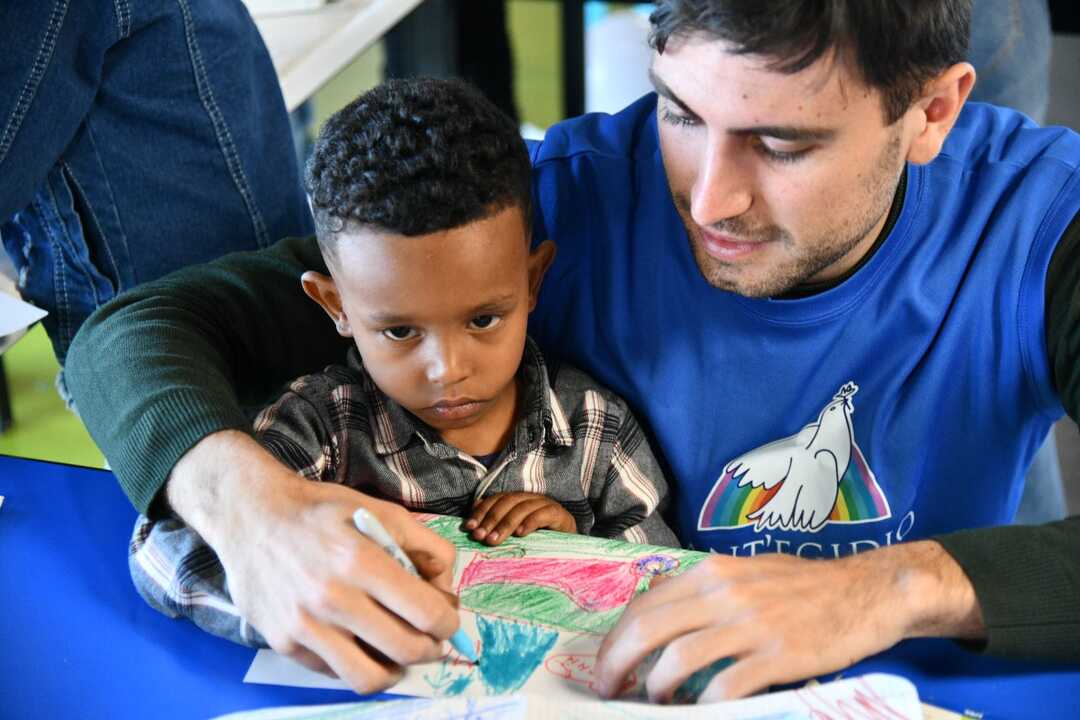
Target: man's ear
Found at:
x=936, y=111
x=540, y=260
x=323, y=290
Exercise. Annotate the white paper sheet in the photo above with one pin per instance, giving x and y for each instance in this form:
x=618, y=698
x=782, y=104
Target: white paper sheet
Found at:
x=870, y=697
x=16, y=315
x=563, y=671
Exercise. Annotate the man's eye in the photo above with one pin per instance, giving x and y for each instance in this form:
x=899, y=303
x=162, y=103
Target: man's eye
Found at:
x=484, y=322
x=399, y=332
x=677, y=119
x=782, y=156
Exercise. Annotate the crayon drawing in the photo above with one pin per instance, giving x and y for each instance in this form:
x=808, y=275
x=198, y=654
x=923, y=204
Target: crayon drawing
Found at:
x=570, y=582
x=539, y=607
x=448, y=680
x=511, y=652
x=581, y=595
x=536, y=609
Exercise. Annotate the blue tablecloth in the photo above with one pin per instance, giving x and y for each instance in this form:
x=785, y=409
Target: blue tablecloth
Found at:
x=76, y=641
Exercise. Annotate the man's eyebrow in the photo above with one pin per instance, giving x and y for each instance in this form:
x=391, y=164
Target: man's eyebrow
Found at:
x=778, y=132
x=662, y=88
x=788, y=133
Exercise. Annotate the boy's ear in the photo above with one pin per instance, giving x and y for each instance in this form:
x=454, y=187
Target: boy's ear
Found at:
x=323, y=290
x=936, y=111
x=540, y=260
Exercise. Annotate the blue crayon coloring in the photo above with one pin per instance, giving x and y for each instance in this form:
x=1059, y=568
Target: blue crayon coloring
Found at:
x=370, y=526
x=511, y=652
x=693, y=686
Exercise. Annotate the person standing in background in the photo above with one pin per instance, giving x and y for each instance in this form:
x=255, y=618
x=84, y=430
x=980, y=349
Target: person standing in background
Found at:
x=1010, y=49
x=136, y=138
x=447, y=38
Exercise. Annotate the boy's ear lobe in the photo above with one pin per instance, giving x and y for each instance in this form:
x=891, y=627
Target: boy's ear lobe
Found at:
x=540, y=260
x=323, y=290
x=937, y=110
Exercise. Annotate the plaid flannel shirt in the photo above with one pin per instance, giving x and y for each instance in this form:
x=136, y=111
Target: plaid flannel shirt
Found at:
x=575, y=442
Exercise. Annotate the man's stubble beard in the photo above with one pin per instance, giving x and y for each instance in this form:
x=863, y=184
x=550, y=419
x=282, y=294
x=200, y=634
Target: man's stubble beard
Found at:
x=808, y=259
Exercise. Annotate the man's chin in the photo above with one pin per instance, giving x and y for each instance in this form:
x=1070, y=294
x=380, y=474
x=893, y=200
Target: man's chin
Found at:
x=745, y=289
x=746, y=280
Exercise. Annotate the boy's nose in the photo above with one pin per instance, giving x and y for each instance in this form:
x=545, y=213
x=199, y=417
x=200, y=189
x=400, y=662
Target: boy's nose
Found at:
x=446, y=365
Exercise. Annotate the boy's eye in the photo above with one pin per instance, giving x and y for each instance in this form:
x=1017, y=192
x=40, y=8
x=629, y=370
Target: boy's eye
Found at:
x=399, y=332
x=484, y=322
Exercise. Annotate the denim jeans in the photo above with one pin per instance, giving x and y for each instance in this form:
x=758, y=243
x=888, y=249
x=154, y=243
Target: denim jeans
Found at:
x=136, y=137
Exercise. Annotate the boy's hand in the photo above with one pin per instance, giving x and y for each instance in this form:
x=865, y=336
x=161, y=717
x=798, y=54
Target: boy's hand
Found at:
x=499, y=516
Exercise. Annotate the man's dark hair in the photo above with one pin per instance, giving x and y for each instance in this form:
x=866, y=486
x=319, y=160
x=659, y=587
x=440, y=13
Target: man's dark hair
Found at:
x=894, y=46
x=414, y=156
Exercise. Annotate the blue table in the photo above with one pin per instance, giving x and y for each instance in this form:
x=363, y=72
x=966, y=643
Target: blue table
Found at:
x=77, y=641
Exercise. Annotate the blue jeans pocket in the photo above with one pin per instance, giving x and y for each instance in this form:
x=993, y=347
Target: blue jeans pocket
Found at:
x=63, y=259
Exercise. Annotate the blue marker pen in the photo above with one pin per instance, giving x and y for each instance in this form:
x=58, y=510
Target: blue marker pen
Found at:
x=370, y=526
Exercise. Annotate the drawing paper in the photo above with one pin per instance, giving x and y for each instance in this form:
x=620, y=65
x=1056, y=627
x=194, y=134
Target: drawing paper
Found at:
x=536, y=609
x=870, y=697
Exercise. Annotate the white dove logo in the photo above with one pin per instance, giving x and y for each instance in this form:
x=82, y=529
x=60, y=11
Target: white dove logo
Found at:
x=808, y=465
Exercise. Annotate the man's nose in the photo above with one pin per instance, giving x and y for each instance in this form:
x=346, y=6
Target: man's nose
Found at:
x=446, y=363
x=723, y=188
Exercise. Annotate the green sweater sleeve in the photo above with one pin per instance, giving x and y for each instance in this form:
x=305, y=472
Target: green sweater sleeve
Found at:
x=1027, y=579
x=173, y=360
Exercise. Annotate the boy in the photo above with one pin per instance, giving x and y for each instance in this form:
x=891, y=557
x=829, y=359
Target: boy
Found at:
x=422, y=200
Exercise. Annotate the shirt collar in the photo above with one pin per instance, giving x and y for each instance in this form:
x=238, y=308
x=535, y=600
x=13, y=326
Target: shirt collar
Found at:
x=542, y=420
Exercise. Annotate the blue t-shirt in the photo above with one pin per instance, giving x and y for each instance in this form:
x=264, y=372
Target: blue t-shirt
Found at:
x=905, y=402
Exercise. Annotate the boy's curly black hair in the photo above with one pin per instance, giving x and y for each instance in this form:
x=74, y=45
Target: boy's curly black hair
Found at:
x=414, y=156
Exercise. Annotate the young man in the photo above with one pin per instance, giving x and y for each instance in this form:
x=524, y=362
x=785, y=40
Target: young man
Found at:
x=848, y=323
x=443, y=404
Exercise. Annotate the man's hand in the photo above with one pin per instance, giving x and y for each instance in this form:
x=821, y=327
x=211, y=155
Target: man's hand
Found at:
x=501, y=515
x=300, y=573
x=783, y=619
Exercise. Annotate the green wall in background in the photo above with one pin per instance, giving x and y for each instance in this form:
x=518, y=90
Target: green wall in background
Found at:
x=535, y=37
x=364, y=73
x=535, y=34
x=43, y=428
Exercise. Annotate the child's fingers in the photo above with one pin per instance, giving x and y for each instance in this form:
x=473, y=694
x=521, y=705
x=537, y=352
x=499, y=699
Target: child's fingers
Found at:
x=552, y=516
x=543, y=517
x=490, y=526
x=513, y=519
x=492, y=510
x=480, y=510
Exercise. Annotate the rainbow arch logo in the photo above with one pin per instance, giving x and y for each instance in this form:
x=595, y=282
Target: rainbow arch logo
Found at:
x=764, y=487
